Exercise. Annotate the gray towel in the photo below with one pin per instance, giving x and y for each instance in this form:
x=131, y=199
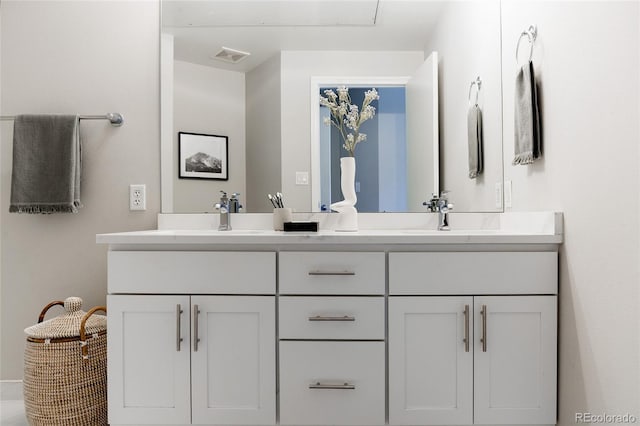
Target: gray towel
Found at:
x=527, y=117
x=46, y=164
x=474, y=129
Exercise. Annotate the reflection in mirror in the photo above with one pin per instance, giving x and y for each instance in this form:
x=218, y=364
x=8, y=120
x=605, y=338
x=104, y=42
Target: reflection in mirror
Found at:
x=263, y=102
x=380, y=182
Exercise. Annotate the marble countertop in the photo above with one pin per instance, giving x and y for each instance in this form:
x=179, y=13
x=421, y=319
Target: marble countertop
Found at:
x=415, y=236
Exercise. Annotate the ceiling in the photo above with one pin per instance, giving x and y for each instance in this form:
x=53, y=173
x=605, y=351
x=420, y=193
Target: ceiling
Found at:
x=265, y=27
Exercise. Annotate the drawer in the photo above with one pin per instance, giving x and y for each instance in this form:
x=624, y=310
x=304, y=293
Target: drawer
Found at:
x=477, y=273
x=188, y=272
x=332, y=273
x=332, y=383
x=354, y=318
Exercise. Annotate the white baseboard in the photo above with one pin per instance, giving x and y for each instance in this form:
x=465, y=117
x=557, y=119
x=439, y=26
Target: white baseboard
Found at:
x=11, y=390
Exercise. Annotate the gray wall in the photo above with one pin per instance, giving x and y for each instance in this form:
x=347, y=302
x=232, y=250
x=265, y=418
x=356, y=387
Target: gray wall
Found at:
x=87, y=58
x=263, y=85
x=586, y=58
x=210, y=101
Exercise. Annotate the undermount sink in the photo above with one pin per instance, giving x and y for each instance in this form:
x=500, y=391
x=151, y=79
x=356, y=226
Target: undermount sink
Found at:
x=451, y=231
x=216, y=232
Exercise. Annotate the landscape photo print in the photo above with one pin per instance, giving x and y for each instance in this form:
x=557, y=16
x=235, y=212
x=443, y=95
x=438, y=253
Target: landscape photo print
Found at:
x=203, y=156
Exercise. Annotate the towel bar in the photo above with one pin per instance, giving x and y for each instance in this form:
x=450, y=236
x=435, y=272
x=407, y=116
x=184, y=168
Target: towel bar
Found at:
x=116, y=119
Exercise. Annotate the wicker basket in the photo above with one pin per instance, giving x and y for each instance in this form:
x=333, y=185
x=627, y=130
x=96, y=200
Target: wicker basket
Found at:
x=65, y=368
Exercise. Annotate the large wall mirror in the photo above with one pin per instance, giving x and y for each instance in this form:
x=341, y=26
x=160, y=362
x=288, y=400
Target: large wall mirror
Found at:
x=251, y=71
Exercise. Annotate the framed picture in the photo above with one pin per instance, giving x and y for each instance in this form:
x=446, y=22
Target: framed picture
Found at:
x=203, y=156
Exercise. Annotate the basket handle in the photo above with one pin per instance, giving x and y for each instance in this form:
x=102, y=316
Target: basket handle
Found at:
x=83, y=334
x=46, y=308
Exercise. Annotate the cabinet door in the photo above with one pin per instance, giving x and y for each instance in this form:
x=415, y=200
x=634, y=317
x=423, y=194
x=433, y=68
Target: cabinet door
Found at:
x=430, y=365
x=515, y=368
x=233, y=360
x=148, y=365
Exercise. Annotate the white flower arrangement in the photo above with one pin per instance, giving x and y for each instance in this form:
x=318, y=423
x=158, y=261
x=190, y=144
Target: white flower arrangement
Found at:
x=346, y=117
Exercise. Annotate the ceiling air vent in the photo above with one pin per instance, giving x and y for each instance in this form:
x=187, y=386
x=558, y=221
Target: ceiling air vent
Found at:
x=230, y=55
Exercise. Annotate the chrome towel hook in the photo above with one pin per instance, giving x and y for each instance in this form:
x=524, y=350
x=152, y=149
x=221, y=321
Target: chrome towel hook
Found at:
x=531, y=34
x=478, y=83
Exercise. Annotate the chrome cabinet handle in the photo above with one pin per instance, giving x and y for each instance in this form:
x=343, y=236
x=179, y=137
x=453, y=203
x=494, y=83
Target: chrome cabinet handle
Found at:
x=178, y=317
x=321, y=318
x=483, y=313
x=345, y=386
x=196, y=339
x=466, y=328
x=331, y=273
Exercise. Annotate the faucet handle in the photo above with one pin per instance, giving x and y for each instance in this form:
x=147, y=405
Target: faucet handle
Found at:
x=431, y=204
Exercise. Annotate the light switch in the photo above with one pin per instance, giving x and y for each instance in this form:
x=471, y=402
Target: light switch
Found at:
x=302, y=178
x=507, y=194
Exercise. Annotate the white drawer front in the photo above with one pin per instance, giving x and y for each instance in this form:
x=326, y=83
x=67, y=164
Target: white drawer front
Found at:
x=188, y=272
x=355, y=318
x=332, y=273
x=476, y=273
x=308, y=370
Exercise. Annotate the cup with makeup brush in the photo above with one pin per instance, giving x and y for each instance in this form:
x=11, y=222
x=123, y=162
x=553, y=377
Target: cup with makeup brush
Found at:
x=281, y=214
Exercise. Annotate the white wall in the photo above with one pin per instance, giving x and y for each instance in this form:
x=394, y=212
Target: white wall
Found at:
x=297, y=69
x=263, y=134
x=88, y=58
x=209, y=101
x=473, y=51
x=586, y=59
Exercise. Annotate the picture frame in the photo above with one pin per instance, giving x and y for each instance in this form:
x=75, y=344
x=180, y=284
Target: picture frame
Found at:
x=202, y=156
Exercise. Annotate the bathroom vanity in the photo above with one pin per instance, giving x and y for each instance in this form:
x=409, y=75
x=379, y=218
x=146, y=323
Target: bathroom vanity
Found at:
x=375, y=327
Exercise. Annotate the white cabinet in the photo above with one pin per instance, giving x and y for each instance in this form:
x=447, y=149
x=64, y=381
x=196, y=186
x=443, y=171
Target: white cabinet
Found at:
x=332, y=331
x=515, y=370
x=430, y=367
x=463, y=349
x=233, y=367
x=191, y=359
x=364, y=337
x=506, y=376
x=149, y=367
x=332, y=383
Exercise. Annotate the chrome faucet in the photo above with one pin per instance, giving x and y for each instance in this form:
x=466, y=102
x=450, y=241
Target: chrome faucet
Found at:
x=234, y=203
x=226, y=206
x=442, y=206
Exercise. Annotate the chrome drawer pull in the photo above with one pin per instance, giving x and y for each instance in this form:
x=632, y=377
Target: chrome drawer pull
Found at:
x=466, y=328
x=483, y=339
x=196, y=339
x=321, y=318
x=331, y=273
x=318, y=385
x=179, y=339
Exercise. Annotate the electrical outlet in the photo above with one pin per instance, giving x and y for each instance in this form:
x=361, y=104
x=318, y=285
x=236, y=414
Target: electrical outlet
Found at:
x=137, y=197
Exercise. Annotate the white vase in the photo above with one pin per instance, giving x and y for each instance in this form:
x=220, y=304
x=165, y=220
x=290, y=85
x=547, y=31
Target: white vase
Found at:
x=348, y=215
